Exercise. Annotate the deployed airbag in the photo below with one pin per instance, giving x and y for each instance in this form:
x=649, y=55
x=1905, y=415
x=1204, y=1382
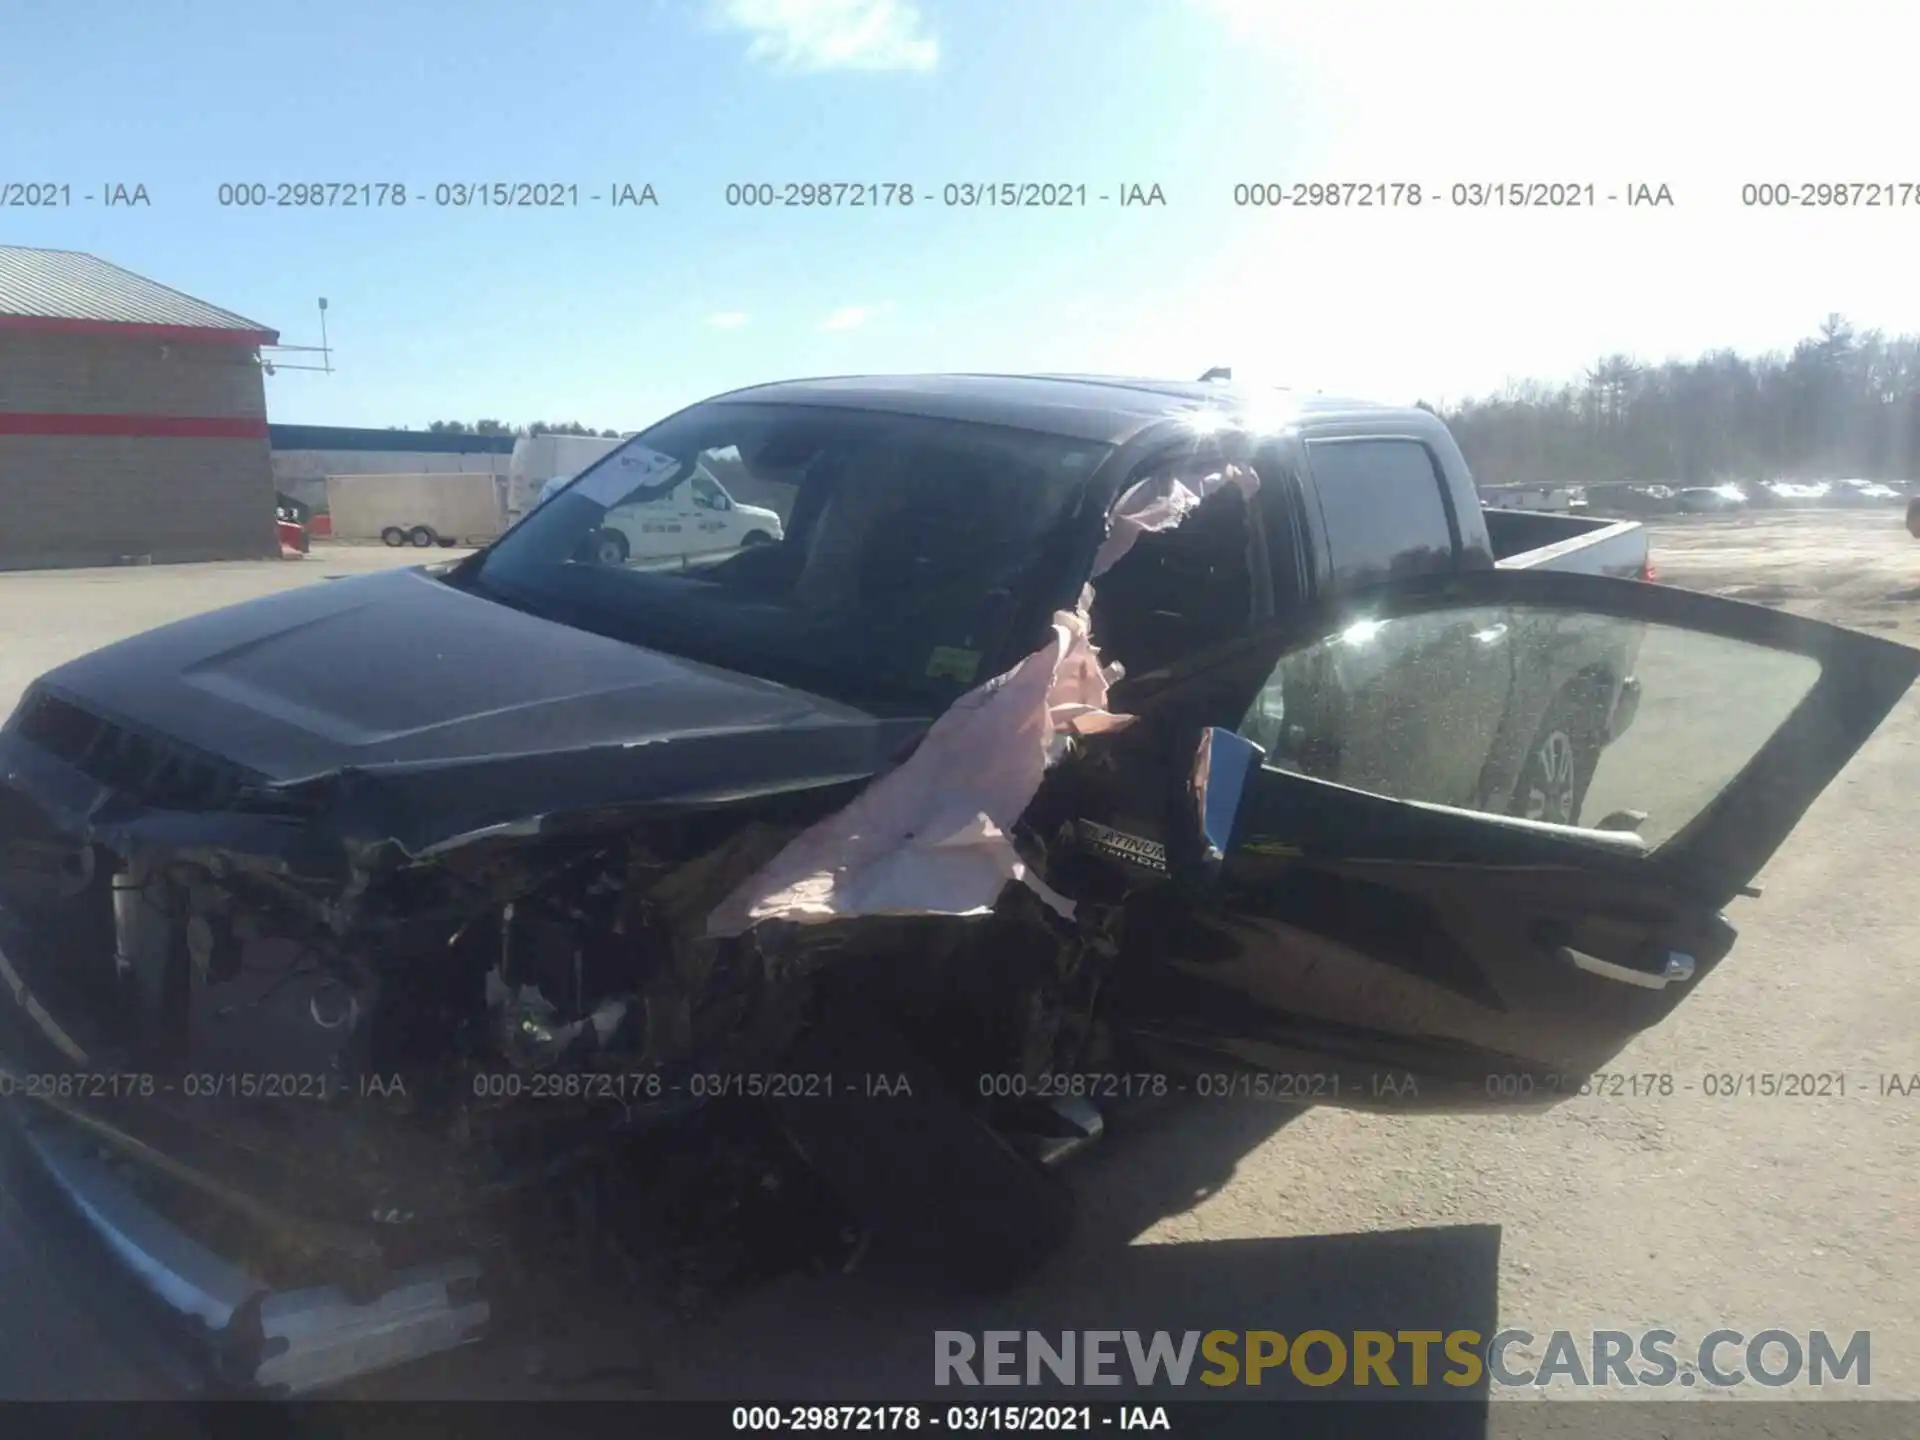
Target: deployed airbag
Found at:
x=1160, y=503
x=931, y=836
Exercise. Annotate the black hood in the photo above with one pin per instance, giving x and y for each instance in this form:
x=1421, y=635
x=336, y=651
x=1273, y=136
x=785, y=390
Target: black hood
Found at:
x=457, y=712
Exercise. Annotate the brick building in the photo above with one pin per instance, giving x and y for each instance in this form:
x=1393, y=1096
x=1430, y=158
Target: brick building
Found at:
x=133, y=419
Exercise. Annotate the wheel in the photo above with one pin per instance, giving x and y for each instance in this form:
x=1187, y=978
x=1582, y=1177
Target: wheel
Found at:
x=609, y=548
x=421, y=536
x=394, y=536
x=945, y=1200
x=448, y=542
x=1913, y=517
x=755, y=537
x=1560, y=759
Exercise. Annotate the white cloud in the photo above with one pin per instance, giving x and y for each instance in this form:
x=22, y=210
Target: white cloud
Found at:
x=1698, y=97
x=1640, y=89
x=833, y=34
x=850, y=317
x=728, y=319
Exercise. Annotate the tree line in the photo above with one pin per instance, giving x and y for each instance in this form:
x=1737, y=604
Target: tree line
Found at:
x=1842, y=404
x=501, y=427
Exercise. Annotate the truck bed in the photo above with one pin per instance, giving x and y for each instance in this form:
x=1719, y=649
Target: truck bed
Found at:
x=1539, y=540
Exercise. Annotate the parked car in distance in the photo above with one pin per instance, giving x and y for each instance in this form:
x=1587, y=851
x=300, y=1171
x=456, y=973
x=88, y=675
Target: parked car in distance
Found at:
x=1869, y=492
x=1710, y=499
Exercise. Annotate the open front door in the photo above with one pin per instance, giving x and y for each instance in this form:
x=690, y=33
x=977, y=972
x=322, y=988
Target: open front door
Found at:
x=1457, y=841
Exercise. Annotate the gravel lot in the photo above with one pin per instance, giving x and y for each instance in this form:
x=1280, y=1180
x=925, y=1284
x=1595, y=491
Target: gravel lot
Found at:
x=1624, y=1213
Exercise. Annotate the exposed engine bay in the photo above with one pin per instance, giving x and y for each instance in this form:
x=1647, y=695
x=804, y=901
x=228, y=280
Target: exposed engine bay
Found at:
x=364, y=1047
x=405, y=1057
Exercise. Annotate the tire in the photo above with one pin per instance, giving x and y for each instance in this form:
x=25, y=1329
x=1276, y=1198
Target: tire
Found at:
x=421, y=537
x=1913, y=517
x=946, y=1201
x=448, y=544
x=394, y=536
x=609, y=548
x=755, y=537
x=1560, y=759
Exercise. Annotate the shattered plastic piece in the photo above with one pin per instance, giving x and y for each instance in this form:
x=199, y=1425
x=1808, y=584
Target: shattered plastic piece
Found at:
x=1161, y=503
x=931, y=837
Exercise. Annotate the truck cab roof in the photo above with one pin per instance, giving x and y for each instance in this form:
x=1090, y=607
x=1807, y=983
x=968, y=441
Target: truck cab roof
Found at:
x=1111, y=409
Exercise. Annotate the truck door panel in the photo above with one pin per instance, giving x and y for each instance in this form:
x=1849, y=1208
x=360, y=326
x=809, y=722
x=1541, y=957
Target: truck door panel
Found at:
x=1360, y=928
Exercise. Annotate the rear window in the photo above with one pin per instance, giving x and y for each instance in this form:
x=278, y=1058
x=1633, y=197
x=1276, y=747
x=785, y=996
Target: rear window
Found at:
x=1383, y=510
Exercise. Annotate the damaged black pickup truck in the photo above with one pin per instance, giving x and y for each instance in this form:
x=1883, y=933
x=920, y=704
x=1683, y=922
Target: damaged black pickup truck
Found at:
x=1080, y=741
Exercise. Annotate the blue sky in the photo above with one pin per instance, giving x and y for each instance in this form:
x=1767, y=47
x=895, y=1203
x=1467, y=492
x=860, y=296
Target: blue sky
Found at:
x=614, y=317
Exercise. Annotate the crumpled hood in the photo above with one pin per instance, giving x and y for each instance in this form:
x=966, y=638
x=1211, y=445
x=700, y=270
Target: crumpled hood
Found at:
x=400, y=667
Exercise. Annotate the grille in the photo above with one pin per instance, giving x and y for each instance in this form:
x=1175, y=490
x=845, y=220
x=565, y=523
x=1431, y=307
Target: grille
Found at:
x=153, y=771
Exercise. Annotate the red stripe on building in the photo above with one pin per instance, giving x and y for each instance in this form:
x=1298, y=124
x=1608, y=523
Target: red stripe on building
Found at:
x=174, y=427
x=130, y=330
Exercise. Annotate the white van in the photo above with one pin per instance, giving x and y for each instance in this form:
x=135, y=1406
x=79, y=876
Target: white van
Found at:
x=695, y=519
x=536, y=457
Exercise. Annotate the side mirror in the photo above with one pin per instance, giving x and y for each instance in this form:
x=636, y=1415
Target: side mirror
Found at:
x=1207, y=807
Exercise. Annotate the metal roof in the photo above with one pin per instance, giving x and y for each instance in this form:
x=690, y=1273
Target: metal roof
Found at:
x=1112, y=409
x=352, y=437
x=71, y=290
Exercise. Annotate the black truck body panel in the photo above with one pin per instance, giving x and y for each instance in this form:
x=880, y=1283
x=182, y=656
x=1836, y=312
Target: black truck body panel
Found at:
x=469, y=822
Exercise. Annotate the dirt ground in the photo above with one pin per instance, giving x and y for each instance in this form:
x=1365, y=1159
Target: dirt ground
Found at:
x=1691, y=1213
x=1858, y=568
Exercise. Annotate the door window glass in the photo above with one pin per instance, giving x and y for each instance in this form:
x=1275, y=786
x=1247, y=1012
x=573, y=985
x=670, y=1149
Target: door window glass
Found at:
x=1382, y=508
x=1532, y=711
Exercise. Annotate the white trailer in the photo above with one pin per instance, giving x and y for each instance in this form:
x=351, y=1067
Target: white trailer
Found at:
x=420, y=510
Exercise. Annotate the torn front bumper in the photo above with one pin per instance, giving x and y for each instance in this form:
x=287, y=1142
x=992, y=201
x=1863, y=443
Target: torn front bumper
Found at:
x=287, y=1342
x=246, y=1332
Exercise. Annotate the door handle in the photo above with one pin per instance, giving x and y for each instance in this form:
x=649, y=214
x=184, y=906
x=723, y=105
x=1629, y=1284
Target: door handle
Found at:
x=1671, y=967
